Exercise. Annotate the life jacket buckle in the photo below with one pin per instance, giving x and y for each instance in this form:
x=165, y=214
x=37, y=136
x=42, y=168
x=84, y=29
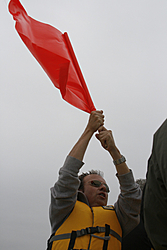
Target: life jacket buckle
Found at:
x=92, y=230
x=88, y=230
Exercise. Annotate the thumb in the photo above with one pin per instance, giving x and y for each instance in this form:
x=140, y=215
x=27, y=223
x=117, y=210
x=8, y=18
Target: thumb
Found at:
x=97, y=136
x=101, y=128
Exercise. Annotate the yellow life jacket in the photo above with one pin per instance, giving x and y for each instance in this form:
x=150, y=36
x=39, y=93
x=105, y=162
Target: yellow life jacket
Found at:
x=95, y=228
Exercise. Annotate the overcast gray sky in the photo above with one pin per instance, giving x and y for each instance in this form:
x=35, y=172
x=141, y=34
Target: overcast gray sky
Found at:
x=121, y=48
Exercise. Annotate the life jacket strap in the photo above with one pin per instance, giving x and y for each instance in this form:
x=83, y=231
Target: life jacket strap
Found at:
x=107, y=231
x=88, y=230
x=72, y=240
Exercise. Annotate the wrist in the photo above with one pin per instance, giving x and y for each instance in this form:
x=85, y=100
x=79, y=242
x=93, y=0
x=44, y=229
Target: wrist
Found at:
x=89, y=131
x=115, y=153
x=119, y=161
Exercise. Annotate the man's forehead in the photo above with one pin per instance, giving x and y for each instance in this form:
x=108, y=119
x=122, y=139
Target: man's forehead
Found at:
x=94, y=177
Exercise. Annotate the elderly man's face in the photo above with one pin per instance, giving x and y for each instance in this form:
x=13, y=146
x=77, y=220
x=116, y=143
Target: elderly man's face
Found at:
x=97, y=196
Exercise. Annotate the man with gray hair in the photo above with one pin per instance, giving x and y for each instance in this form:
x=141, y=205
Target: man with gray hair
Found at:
x=79, y=215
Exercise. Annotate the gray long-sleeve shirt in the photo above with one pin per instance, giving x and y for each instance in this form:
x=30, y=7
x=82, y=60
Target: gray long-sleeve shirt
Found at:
x=65, y=193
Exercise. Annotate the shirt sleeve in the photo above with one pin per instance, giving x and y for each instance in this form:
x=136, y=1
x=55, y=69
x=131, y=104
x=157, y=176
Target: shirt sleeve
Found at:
x=64, y=192
x=128, y=204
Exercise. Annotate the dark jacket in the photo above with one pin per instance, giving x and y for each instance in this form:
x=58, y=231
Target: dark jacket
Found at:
x=155, y=198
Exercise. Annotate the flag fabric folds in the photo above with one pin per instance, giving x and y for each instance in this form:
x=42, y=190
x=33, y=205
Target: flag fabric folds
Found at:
x=54, y=52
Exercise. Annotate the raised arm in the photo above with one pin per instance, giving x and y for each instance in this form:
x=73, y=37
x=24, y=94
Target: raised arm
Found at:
x=127, y=206
x=64, y=192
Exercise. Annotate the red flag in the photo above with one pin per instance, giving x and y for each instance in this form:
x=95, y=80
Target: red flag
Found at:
x=54, y=52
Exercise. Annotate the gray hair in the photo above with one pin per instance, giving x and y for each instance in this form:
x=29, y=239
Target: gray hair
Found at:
x=141, y=183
